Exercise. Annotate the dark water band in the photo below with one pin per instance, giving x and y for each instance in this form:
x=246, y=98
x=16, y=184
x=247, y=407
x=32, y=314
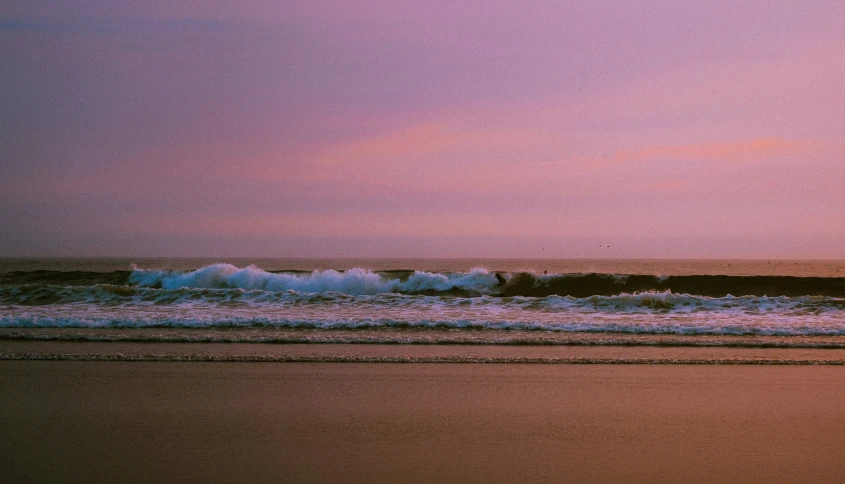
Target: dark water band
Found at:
x=533, y=285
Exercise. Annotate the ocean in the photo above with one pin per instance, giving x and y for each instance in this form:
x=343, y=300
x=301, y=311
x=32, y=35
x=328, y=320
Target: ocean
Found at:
x=528, y=305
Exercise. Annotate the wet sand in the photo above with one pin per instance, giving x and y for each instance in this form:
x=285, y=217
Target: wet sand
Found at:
x=419, y=336
x=434, y=353
x=68, y=421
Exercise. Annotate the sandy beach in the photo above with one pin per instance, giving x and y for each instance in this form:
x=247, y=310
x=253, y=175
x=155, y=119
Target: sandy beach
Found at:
x=347, y=422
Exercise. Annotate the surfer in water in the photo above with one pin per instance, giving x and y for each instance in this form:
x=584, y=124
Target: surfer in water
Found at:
x=500, y=279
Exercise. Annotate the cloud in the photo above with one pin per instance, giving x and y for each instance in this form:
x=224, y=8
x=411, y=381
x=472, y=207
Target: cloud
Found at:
x=434, y=139
x=432, y=157
x=742, y=150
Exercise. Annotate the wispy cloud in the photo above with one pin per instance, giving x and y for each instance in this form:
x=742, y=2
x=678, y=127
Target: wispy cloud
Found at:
x=434, y=139
x=717, y=151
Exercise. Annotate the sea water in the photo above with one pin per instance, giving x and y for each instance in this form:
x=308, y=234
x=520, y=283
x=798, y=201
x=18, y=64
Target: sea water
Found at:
x=493, y=301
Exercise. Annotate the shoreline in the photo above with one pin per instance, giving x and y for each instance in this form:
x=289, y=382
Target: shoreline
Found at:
x=412, y=353
x=415, y=336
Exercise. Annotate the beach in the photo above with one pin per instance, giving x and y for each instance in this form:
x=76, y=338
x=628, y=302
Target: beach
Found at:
x=124, y=421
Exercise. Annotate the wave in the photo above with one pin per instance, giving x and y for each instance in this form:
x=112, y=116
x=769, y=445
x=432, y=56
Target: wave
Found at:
x=227, y=297
x=477, y=282
x=353, y=282
x=664, y=302
x=65, y=278
x=691, y=326
x=583, y=285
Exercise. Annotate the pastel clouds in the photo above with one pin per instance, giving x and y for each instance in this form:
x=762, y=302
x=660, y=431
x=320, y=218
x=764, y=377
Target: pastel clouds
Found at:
x=508, y=126
x=718, y=151
x=434, y=140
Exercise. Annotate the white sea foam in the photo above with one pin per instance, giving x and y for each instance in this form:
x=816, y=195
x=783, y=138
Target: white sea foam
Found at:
x=408, y=297
x=353, y=282
x=651, y=312
x=223, y=295
x=719, y=324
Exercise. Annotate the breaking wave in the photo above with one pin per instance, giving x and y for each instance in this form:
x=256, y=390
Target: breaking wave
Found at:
x=648, y=301
x=226, y=296
x=477, y=282
x=352, y=282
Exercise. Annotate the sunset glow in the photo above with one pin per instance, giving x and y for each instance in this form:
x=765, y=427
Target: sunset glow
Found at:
x=423, y=129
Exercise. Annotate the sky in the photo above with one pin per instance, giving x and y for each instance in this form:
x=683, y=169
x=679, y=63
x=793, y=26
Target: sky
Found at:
x=572, y=129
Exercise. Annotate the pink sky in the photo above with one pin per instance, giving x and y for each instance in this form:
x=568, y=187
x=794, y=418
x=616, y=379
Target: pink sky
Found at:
x=423, y=129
